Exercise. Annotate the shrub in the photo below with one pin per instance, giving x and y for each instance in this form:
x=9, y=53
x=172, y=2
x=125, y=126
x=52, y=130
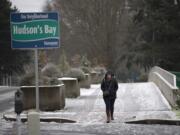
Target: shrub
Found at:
x=44, y=80
x=63, y=63
x=76, y=73
x=178, y=103
x=178, y=100
x=48, y=76
x=51, y=70
x=100, y=70
x=86, y=69
x=143, y=78
x=85, y=62
x=28, y=79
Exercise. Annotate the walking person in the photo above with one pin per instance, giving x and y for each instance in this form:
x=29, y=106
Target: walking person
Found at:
x=109, y=87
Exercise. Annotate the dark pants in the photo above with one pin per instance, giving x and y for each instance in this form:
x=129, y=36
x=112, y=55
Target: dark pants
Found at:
x=109, y=105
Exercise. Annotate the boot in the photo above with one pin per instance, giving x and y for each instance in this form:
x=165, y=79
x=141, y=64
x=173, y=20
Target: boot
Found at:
x=112, y=118
x=108, y=120
x=108, y=117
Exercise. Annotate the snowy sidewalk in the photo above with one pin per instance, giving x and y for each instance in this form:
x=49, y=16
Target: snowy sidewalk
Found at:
x=135, y=101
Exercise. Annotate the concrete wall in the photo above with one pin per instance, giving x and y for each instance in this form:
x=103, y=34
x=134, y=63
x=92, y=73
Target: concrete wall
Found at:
x=96, y=77
x=86, y=83
x=72, y=89
x=169, y=77
x=166, y=82
x=50, y=97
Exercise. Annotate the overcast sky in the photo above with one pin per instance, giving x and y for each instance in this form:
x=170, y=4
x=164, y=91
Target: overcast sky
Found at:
x=29, y=5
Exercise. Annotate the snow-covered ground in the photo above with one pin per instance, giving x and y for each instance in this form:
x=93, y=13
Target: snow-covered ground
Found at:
x=6, y=98
x=134, y=101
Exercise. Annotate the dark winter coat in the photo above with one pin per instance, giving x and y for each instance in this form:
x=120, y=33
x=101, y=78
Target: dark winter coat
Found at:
x=111, y=86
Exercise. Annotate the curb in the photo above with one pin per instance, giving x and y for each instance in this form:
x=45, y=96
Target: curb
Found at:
x=155, y=121
x=12, y=117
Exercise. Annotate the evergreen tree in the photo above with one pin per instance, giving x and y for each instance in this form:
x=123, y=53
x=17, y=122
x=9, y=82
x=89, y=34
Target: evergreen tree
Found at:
x=63, y=63
x=85, y=62
x=156, y=23
x=10, y=60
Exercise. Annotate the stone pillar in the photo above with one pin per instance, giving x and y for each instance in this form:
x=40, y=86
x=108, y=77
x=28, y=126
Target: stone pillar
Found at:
x=62, y=97
x=72, y=89
x=96, y=77
x=86, y=83
x=33, y=123
x=93, y=77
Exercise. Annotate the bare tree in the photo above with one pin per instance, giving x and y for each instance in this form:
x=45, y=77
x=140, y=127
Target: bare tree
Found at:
x=92, y=27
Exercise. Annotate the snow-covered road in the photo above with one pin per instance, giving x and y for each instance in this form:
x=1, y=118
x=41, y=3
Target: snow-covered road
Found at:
x=6, y=98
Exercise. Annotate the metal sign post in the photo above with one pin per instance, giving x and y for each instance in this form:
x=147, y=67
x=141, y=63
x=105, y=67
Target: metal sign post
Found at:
x=18, y=119
x=36, y=78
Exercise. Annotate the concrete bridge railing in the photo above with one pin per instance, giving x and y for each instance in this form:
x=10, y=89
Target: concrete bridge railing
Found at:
x=166, y=82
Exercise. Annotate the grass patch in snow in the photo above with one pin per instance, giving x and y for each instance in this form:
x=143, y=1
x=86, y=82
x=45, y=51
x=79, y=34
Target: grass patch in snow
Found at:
x=177, y=112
